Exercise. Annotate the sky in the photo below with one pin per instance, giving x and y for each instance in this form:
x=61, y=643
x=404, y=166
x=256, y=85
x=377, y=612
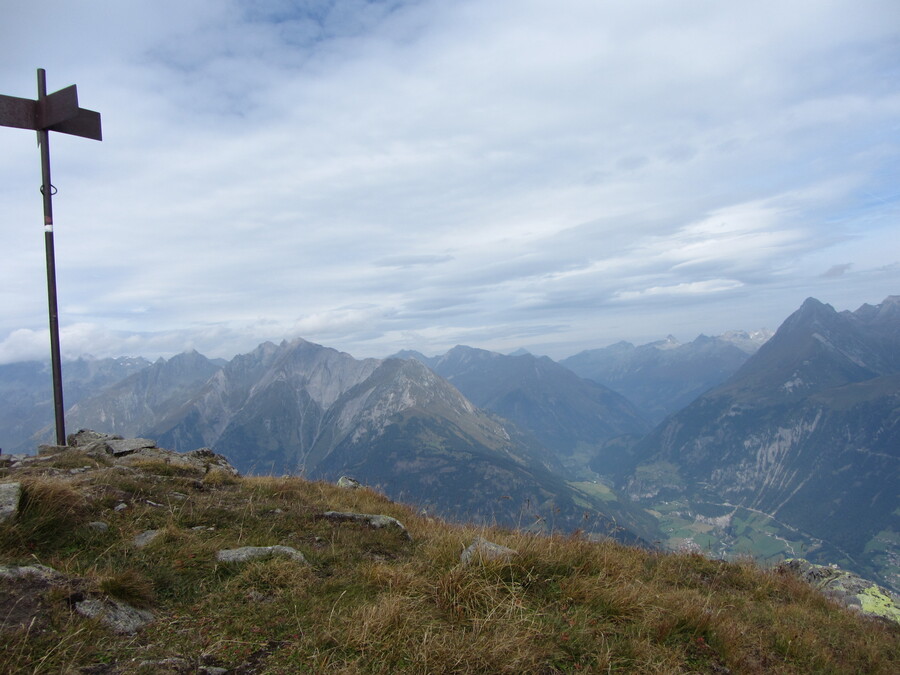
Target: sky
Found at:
x=390, y=174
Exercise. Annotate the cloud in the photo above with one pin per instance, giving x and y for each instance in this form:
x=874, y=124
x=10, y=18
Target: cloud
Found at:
x=695, y=288
x=836, y=271
x=362, y=172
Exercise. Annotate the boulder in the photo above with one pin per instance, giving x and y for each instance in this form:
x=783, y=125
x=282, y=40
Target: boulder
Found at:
x=374, y=521
x=481, y=550
x=209, y=460
x=10, y=494
x=24, y=591
x=118, y=616
x=85, y=437
x=247, y=553
x=348, y=483
x=120, y=447
x=144, y=538
x=849, y=589
x=38, y=571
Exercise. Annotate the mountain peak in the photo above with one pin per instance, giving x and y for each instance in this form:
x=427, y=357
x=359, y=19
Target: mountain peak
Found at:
x=811, y=312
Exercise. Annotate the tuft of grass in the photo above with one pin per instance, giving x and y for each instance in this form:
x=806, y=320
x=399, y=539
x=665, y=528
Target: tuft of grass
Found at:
x=217, y=477
x=129, y=586
x=77, y=459
x=50, y=510
x=160, y=467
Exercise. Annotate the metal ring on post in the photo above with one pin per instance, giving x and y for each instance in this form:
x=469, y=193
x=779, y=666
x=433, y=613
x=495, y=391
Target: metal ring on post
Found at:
x=53, y=189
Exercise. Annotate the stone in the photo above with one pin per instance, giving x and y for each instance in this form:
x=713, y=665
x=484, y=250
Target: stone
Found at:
x=41, y=571
x=847, y=588
x=24, y=596
x=247, y=553
x=348, y=483
x=481, y=550
x=144, y=538
x=375, y=521
x=85, y=437
x=10, y=495
x=121, y=506
x=118, y=616
x=209, y=460
x=98, y=450
x=172, y=664
x=126, y=446
x=98, y=526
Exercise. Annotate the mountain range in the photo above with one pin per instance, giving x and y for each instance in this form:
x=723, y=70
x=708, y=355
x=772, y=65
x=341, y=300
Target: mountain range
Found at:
x=27, y=395
x=301, y=408
x=777, y=450
x=806, y=434
x=664, y=376
x=567, y=414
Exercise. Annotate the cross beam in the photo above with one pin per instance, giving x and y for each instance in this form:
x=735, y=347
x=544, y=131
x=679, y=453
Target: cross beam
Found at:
x=58, y=111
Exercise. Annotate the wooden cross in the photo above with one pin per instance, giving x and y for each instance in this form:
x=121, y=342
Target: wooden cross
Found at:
x=58, y=111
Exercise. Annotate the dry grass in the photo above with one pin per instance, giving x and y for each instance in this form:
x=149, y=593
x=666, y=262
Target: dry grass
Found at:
x=372, y=601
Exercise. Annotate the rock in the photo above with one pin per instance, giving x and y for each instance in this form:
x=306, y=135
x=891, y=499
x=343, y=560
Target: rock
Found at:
x=85, y=437
x=481, y=549
x=172, y=664
x=10, y=494
x=209, y=460
x=24, y=601
x=348, y=483
x=144, y=538
x=121, y=506
x=99, y=450
x=247, y=553
x=98, y=526
x=847, y=588
x=128, y=446
x=118, y=616
x=255, y=596
x=41, y=571
x=376, y=521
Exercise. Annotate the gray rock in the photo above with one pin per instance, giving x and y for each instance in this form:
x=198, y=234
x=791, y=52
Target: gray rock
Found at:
x=209, y=460
x=10, y=494
x=118, y=616
x=481, y=549
x=85, y=437
x=128, y=446
x=98, y=526
x=144, y=538
x=375, y=521
x=121, y=506
x=172, y=664
x=348, y=483
x=97, y=450
x=247, y=553
x=41, y=571
x=847, y=588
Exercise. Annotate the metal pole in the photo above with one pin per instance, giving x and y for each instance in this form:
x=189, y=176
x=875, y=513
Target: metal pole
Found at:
x=47, y=190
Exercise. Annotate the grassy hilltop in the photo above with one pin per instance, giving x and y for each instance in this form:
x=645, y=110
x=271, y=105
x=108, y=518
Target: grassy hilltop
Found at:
x=376, y=600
